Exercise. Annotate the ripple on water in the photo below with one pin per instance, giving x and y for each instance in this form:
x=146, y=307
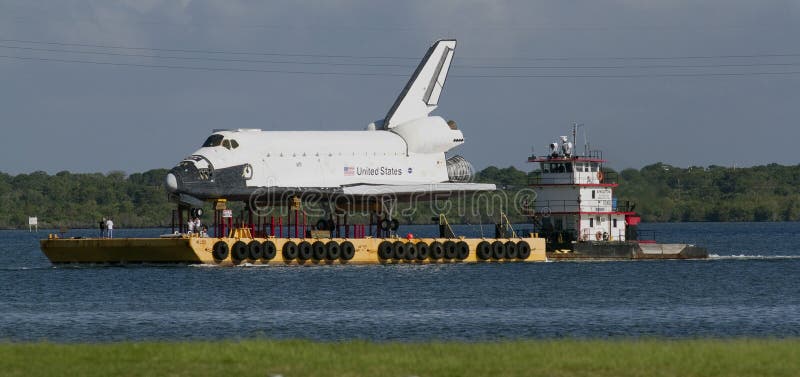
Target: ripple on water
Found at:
x=747, y=288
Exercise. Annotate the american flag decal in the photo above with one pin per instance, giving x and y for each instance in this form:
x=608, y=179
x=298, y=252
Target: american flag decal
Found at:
x=349, y=171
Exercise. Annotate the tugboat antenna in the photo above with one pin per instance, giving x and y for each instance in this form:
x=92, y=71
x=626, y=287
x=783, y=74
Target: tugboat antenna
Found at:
x=575, y=126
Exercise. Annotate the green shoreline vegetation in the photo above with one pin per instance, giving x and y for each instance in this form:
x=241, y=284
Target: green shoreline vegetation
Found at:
x=663, y=193
x=617, y=358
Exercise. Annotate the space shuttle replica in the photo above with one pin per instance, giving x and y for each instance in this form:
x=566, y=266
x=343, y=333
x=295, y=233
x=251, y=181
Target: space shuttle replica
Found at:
x=402, y=155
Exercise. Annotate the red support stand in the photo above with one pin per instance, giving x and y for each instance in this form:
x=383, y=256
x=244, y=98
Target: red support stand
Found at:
x=180, y=220
x=250, y=221
x=272, y=226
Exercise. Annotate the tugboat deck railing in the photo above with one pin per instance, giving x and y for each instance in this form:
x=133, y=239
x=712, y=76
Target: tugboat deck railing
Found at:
x=580, y=206
x=609, y=179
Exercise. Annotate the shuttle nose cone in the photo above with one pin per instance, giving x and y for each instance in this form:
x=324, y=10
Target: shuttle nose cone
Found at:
x=171, y=182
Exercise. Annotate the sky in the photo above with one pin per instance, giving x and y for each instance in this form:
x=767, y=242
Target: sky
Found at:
x=99, y=86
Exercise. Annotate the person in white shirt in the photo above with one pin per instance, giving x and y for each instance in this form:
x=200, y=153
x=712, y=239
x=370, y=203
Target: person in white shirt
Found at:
x=191, y=227
x=198, y=226
x=110, y=227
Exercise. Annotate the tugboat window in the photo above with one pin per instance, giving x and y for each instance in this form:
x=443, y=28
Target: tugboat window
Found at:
x=213, y=141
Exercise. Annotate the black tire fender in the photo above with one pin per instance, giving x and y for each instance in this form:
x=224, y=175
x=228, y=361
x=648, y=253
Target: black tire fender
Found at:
x=410, y=251
x=304, y=251
x=483, y=251
x=255, y=250
x=332, y=250
x=449, y=250
x=385, y=250
x=498, y=250
x=462, y=250
x=269, y=250
x=423, y=251
x=289, y=251
x=523, y=250
x=239, y=251
x=436, y=250
x=348, y=251
x=318, y=250
x=511, y=250
x=398, y=250
x=220, y=251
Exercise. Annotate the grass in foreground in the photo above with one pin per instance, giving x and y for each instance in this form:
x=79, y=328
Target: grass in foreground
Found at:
x=741, y=357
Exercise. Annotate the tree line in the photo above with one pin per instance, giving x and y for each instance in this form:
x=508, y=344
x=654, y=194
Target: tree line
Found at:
x=666, y=193
x=662, y=192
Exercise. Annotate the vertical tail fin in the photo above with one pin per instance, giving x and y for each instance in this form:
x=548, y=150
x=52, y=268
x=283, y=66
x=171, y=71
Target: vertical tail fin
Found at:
x=421, y=94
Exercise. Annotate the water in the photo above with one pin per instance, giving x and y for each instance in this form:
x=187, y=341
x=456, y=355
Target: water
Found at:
x=750, y=287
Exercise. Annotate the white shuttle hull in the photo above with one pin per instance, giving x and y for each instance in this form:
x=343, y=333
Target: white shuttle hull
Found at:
x=404, y=153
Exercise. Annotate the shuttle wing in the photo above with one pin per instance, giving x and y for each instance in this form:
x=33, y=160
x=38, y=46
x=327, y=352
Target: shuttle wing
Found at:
x=421, y=94
x=402, y=190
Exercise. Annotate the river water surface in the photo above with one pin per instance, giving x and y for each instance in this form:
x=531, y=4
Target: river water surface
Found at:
x=750, y=287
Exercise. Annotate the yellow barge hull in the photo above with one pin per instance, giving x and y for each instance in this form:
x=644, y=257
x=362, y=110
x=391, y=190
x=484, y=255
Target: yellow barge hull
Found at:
x=291, y=251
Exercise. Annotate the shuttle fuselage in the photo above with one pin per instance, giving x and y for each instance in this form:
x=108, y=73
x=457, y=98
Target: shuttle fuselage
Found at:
x=402, y=153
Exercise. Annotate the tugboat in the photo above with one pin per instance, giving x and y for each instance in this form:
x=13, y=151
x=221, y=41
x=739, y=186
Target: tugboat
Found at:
x=576, y=212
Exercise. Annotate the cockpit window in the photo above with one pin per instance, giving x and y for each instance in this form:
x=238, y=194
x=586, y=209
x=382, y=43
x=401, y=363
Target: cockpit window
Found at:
x=226, y=143
x=213, y=141
x=234, y=144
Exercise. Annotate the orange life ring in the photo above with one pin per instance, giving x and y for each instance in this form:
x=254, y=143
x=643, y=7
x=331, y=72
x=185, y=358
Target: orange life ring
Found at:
x=598, y=235
x=600, y=176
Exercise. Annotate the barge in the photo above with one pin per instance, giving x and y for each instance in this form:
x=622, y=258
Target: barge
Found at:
x=241, y=248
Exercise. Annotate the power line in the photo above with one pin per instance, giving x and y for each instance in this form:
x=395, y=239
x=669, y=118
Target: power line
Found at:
x=198, y=51
x=204, y=58
x=493, y=76
x=684, y=57
x=638, y=66
x=596, y=58
x=193, y=68
x=642, y=75
x=470, y=66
